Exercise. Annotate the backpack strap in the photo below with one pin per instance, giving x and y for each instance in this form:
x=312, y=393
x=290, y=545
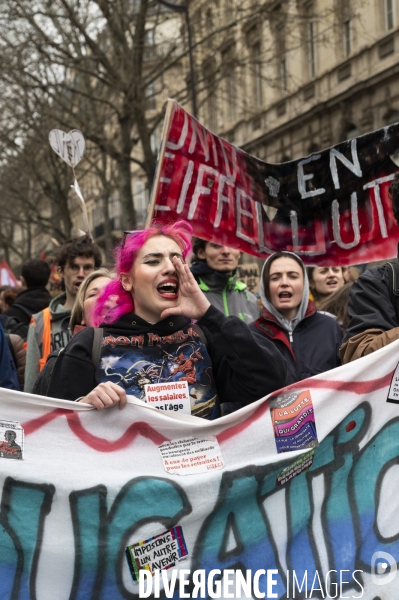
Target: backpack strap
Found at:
x=97, y=345
x=393, y=278
x=46, y=338
x=25, y=310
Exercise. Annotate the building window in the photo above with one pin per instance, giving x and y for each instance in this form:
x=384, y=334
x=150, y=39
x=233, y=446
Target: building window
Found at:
x=140, y=197
x=149, y=44
x=311, y=49
x=209, y=20
x=136, y=6
x=347, y=37
x=197, y=24
x=115, y=212
x=230, y=11
x=278, y=20
x=154, y=141
x=283, y=74
x=390, y=117
x=212, y=111
x=230, y=83
x=150, y=95
x=231, y=92
x=210, y=90
x=256, y=68
x=310, y=40
x=389, y=14
x=350, y=132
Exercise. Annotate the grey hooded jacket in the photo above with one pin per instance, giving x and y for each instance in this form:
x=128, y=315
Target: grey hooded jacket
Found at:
x=60, y=336
x=227, y=293
x=309, y=342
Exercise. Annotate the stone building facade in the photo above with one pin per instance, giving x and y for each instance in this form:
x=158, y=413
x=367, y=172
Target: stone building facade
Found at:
x=280, y=79
x=293, y=77
x=287, y=78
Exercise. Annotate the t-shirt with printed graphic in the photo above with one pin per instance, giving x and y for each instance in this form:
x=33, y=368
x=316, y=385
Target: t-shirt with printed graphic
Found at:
x=132, y=361
x=232, y=369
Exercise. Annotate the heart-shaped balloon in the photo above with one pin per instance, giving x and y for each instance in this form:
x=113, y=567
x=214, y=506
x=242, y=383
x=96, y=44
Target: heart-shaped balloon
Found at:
x=69, y=146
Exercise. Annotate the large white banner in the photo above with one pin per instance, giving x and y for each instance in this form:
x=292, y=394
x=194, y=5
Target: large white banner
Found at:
x=302, y=491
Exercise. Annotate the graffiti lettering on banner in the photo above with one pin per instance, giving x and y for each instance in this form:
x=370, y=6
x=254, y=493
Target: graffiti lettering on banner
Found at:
x=332, y=207
x=293, y=421
x=393, y=392
x=11, y=440
x=160, y=552
x=169, y=397
x=299, y=466
x=189, y=456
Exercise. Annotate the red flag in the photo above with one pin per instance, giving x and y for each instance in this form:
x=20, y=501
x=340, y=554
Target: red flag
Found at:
x=7, y=277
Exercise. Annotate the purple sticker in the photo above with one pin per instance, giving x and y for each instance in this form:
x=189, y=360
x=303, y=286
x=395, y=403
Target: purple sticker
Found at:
x=293, y=421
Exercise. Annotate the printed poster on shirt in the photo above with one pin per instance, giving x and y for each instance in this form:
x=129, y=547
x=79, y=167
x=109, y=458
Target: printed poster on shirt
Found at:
x=149, y=358
x=189, y=456
x=11, y=440
x=169, y=397
x=160, y=552
x=293, y=421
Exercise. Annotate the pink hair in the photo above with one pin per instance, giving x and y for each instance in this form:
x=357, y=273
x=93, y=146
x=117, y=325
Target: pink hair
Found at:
x=114, y=295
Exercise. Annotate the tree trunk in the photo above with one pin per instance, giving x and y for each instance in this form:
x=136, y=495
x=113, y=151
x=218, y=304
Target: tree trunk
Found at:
x=61, y=216
x=125, y=194
x=105, y=204
x=107, y=224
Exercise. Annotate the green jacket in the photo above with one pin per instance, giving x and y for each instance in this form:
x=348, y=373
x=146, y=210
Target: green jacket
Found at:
x=230, y=296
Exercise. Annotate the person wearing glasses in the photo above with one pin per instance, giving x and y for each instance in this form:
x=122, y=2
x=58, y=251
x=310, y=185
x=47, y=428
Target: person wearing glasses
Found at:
x=161, y=329
x=48, y=330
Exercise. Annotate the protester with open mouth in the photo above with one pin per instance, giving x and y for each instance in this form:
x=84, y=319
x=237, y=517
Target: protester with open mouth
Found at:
x=308, y=340
x=324, y=281
x=163, y=330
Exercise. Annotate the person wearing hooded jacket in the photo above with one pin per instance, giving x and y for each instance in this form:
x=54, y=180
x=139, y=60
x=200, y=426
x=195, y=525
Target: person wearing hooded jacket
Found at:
x=215, y=270
x=34, y=298
x=308, y=340
x=162, y=329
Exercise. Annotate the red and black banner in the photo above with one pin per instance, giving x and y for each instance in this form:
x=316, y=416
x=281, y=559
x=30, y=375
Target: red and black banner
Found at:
x=331, y=208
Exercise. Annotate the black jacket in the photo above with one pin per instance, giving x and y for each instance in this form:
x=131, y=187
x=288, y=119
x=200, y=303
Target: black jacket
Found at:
x=370, y=305
x=315, y=344
x=29, y=302
x=232, y=365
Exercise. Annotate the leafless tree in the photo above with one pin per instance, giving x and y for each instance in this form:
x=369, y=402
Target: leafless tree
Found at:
x=106, y=67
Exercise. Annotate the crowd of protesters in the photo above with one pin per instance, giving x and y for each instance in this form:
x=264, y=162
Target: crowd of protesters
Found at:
x=152, y=319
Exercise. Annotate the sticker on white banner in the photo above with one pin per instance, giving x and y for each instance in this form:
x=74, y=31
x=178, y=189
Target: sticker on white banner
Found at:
x=303, y=463
x=11, y=440
x=293, y=421
x=189, y=456
x=393, y=392
x=169, y=397
x=160, y=552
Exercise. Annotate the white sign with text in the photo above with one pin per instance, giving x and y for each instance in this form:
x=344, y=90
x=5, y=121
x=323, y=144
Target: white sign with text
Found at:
x=169, y=397
x=188, y=456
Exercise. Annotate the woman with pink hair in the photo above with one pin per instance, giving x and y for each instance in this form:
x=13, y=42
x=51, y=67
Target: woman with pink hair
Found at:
x=160, y=329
